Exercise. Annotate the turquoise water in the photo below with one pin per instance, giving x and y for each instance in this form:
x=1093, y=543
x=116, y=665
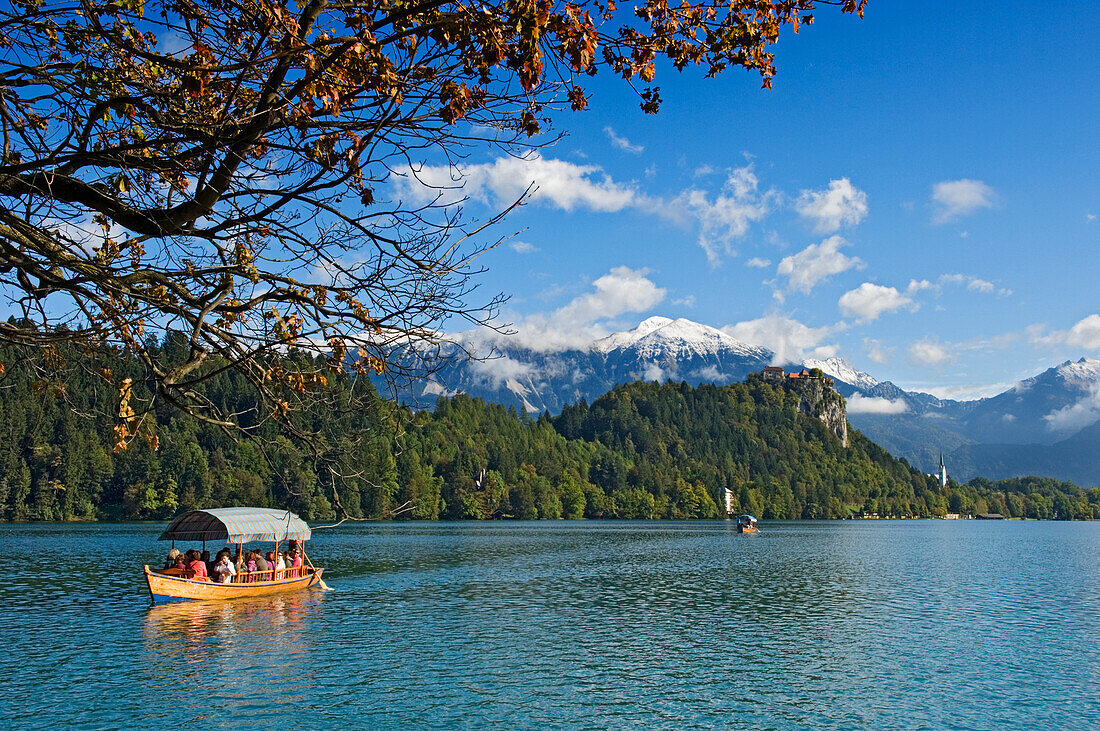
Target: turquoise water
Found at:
x=876, y=624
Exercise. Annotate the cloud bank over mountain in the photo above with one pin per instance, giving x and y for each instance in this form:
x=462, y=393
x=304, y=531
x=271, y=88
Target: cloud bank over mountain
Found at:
x=547, y=365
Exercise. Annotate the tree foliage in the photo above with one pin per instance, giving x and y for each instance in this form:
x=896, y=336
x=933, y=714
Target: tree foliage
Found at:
x=640, y=451
x=219, y=167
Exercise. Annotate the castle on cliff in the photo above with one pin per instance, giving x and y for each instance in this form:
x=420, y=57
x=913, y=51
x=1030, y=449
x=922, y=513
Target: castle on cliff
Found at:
x=818, y=397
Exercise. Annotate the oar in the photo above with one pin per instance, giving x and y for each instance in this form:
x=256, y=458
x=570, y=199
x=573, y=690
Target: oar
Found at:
x=320, y=581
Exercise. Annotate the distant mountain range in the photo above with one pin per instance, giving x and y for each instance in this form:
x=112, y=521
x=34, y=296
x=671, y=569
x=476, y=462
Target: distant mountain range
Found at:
x=658, y=349
x=1046, y=425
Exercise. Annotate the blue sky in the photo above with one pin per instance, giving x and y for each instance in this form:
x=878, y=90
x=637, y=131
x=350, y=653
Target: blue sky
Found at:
x=917, y=194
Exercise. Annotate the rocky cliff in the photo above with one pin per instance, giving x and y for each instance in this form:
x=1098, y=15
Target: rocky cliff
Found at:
x=820, y=400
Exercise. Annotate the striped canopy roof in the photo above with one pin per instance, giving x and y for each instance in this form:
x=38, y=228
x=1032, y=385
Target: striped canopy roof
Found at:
x=237, y=525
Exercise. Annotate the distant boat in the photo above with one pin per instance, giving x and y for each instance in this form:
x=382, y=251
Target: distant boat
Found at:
x=235, y=526
x=746, y=524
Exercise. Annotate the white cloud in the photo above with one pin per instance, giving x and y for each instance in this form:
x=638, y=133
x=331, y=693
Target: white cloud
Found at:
x=791, y=340
x=1076, y=416
x=498, y=370
x=551, y=293
x=711, y=374
x=815, y=263
x=868, y=301
x=1035, y=332
x=622, y=143
x=435, y=388
x=858, y=404
x=725, y=217
x=841, y=205
x=523, y=247
x=688, y=301
x=1090, y=217
x=577, y=324
x=758, y=263
x=952, y=279
x=974, y=284
x=930, y=352
x=1085, y=334
x=991, y=342
x=958, y=392
x=654, y=372
x=621, y=290
x=82, y=231
x=720, y=217
x=877, y=351
x=955, y=198
x=559, y=183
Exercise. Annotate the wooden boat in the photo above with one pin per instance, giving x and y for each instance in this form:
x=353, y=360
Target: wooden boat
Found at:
x=236, y=526
x=746, y=524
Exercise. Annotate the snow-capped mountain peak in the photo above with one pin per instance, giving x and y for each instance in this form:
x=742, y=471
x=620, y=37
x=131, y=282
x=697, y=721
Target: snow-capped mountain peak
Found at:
x=645, y=327
x=662, y=336
x=842, y=370
x=626, y=338
x=1082, y=373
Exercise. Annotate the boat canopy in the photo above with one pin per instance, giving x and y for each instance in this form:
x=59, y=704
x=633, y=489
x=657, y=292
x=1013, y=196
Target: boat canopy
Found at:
x=237, y=525
x=746, y=519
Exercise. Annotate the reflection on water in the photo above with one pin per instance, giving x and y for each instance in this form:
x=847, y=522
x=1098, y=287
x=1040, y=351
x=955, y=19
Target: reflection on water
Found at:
x=907, y=624
x=248, y=649
x=277, y=618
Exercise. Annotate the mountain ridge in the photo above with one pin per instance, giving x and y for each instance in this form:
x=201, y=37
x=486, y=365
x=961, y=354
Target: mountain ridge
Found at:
x=1046, y=409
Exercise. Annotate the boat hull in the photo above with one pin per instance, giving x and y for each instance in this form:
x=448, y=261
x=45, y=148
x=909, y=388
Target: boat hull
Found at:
x=746, y=529
x=164, y=588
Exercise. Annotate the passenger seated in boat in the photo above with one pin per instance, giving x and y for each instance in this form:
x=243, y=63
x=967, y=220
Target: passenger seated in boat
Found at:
x=223, y=569
x=209, y=564
x=174, y=560
x=261, y=565
x=197, y=566
x=280, y=562
x=296, y=561
x=250, y=566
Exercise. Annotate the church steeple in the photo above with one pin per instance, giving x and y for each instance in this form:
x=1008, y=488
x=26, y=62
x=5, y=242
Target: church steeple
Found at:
x=943, y=472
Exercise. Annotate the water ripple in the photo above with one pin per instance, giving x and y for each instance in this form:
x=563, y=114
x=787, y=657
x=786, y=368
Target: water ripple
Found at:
x=575, y=625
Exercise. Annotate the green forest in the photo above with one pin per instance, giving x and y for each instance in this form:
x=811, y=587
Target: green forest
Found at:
x=642, y=450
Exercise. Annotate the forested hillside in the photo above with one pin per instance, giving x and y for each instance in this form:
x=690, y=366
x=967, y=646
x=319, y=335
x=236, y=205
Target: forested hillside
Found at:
x=641, y=451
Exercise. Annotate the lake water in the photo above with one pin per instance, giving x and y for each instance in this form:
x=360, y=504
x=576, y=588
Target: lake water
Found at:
x=875, y=624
